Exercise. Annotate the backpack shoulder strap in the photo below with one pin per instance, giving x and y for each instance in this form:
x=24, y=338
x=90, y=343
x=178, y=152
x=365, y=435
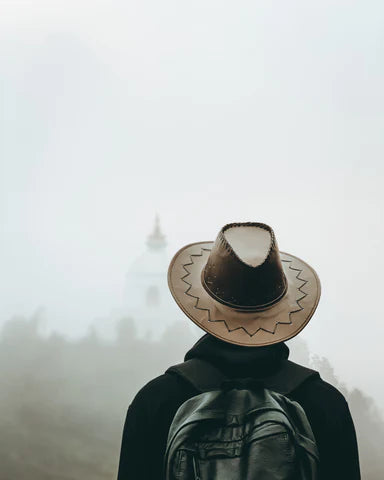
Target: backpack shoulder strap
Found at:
x=205, y=377
x=201, y=374
x=289, y=377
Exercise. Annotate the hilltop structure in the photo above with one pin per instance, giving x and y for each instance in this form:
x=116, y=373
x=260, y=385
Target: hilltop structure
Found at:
x=147, y=301
x=147, y=298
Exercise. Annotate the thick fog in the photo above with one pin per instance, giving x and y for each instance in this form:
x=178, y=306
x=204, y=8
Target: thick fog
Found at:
x=63, y=403
x=206, y=113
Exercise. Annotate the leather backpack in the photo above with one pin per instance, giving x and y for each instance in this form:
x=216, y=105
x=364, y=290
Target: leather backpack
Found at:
x=241, y=429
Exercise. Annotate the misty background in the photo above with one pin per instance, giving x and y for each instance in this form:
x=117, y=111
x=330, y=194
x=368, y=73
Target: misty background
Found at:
x=205, y=113
x=63, y=403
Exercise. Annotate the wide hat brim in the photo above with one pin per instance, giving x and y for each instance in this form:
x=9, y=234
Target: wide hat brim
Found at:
x=282, y=321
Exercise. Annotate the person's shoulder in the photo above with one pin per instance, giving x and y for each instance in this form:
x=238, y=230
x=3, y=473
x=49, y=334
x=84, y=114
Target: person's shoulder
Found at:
x=321, y=398
x=161, y=389
x=313, y=385
x=155, y=387
x=321, y=390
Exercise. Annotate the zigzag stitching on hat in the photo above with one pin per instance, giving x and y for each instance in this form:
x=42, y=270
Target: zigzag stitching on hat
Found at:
x=297, y=301
x=194, y=296
x=242, y=328
x=290, y=313
x=188, y=273
x=301, y=286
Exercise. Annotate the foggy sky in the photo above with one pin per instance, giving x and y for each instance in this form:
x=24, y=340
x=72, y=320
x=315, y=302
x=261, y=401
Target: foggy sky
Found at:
x=205, y=112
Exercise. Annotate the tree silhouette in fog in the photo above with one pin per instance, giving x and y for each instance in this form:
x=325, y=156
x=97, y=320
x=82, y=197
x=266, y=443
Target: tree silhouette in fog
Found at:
x=63, y=403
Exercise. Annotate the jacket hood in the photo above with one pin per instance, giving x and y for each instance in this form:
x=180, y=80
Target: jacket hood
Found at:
x=239, y=361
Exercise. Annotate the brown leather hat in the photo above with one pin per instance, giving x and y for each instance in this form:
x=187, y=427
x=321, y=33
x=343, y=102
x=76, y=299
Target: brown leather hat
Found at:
x=242, y=289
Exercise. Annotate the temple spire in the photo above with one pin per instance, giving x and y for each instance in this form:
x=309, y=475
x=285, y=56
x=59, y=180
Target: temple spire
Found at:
x=156, y=240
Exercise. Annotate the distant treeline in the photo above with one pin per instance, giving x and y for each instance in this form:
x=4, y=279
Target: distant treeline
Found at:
x=63, y=403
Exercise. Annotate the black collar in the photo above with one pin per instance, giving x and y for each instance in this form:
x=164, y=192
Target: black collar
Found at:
x=235, y=360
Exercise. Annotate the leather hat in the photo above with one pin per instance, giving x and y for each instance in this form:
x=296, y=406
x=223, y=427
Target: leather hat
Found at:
x=242, y=289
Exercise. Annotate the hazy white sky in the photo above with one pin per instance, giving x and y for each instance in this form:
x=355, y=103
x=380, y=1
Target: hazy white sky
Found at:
x=206, y=112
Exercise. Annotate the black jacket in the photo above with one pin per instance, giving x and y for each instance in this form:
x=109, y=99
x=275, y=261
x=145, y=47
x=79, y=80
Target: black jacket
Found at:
x=151, y=412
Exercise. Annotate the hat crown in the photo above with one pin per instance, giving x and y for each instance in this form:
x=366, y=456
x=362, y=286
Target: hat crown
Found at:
x=244, y=269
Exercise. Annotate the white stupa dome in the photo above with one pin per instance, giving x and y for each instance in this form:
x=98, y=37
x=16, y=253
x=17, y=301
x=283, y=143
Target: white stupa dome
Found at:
x=147, y=297
x=154, y=261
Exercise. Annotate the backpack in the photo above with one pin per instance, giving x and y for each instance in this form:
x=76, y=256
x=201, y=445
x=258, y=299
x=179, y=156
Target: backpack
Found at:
x=240, y=429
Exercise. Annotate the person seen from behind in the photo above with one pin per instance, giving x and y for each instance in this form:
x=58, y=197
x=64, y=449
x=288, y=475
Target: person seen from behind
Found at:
x=237, y=408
